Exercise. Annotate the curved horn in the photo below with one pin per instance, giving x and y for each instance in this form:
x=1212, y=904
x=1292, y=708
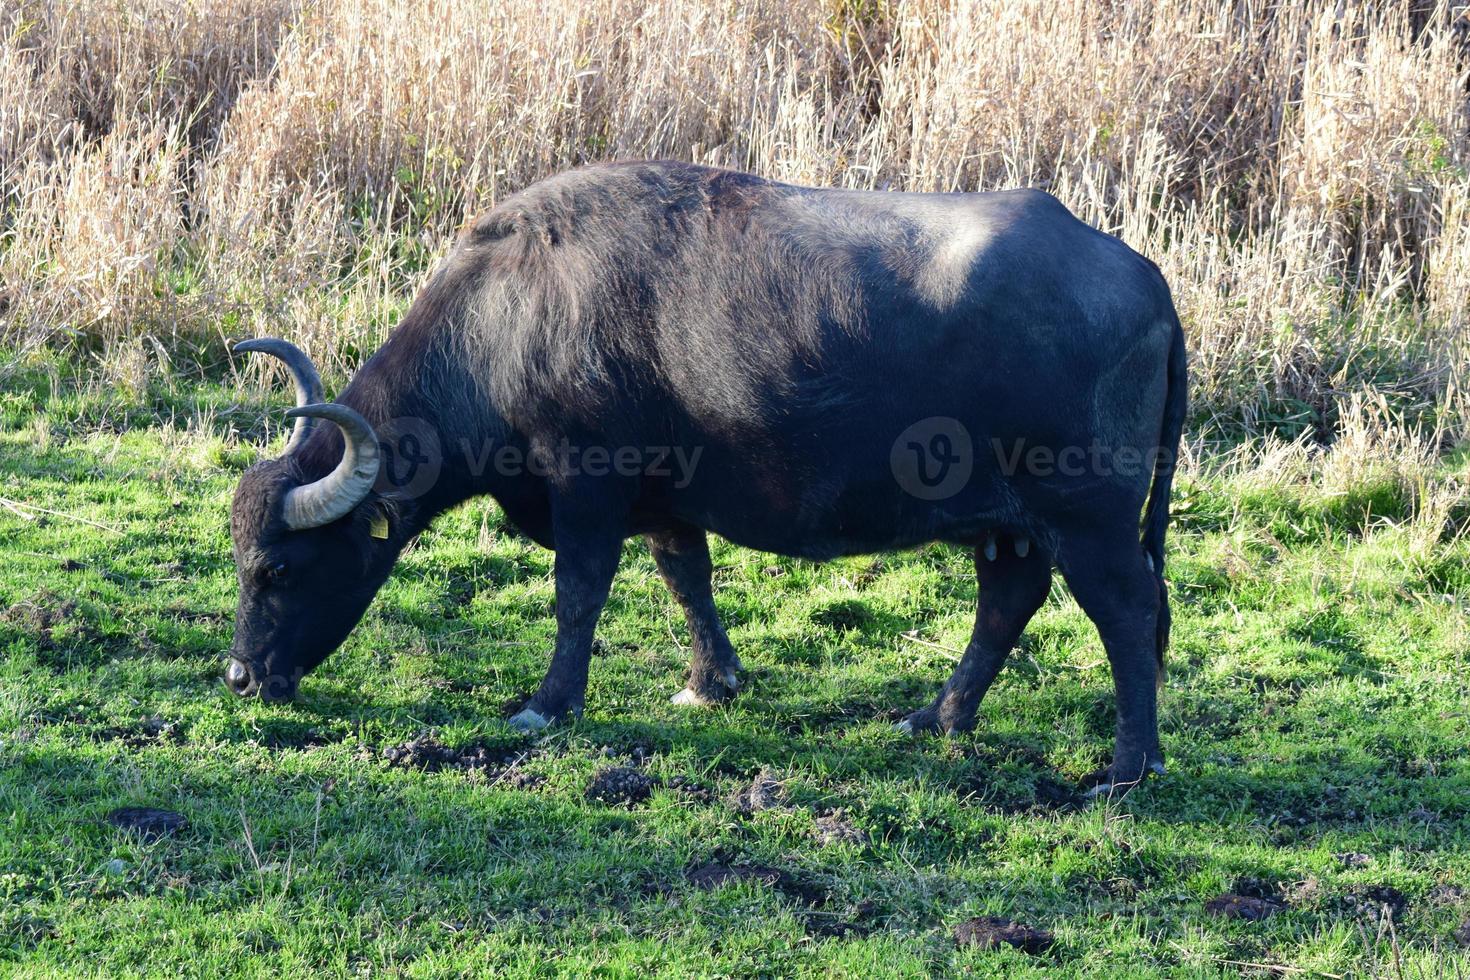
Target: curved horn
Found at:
x=342, y=489
x=303, y=372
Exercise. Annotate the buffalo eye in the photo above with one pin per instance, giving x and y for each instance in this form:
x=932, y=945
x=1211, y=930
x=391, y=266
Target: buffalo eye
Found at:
x=275, y=573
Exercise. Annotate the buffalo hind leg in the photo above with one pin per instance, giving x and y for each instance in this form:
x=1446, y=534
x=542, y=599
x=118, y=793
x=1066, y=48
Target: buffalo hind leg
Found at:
x=1013, y=585
x=587, y=553
x=1114, y=583
x=683, y=559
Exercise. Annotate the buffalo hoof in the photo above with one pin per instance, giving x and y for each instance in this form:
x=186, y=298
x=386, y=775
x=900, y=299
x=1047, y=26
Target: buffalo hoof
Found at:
x=1111, y=786
x=528, y=721
x=722, y=687
x=935, y=720
x=924, y=722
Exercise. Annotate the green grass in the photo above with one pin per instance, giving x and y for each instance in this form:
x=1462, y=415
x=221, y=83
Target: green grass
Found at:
x=1316, y=707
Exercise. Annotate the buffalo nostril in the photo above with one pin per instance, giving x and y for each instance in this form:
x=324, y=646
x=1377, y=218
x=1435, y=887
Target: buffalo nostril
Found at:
x=237, y=677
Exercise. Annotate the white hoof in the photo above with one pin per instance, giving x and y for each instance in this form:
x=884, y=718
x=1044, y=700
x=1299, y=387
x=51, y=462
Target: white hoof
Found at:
x=905, y=726
x=1106, y=789
x=529, y=721
x=690, y=698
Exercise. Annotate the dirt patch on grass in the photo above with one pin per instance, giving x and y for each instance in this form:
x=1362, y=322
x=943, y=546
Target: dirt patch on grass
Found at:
x=518, y=779
x=990, y=932
x=629, y=785
x=1246, y=907
x=691, y=789
x=856, y=920
x=148, y=732
x=1046, y=794
x=1053, y=794
x=836, y=828
x=1374, y=902
x=44, y=614
x=788, y=882
x=765, y=792
x=620, y=786
x=148, y=822
x=295, y=735
x=428, y=754
x=40, y=614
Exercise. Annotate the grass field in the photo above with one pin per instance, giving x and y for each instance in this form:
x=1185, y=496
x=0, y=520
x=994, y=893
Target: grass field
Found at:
x=1315, y=720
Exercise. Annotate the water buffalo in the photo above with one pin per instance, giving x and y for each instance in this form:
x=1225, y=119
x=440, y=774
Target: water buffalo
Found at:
x=665, y=350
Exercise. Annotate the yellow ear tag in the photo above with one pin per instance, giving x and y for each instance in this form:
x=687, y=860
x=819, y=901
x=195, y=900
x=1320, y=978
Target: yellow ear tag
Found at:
x=379, y=526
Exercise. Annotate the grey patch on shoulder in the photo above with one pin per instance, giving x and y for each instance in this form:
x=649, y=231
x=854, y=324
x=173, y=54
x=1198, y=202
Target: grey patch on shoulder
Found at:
x=941, y=280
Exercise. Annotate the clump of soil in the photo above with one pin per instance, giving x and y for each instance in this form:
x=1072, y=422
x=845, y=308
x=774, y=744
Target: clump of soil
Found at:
x=989, y=932
x=854, y=921
x=1246, y=907
x=764, y=793
x=149, y=731
x=691, y=789
x=40, y=616
x=427, y=753
x=1257, y=888
x=637, y=753
x=835, y=828
x=519, y=779
x=620, y=786
x=823, y=926
x=711, y=876
x=148, y=822
x=310, y=738
x=1462, y=933
x=1374, y=901
x=1053, y=795
x=41, y=613
x=1445, y=894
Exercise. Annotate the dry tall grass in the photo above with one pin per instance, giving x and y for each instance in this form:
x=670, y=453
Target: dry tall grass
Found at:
x=175, y=173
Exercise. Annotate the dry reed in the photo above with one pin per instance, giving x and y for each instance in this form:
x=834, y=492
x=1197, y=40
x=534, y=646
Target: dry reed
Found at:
x=174, y=174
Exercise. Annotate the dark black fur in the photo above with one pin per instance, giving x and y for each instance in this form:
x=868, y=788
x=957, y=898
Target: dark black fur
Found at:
x=789, y=335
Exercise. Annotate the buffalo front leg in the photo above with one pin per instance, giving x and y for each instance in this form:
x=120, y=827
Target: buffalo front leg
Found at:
x=586, y=561
x=683, y=560
x=1014, y=578
x=1116, y=587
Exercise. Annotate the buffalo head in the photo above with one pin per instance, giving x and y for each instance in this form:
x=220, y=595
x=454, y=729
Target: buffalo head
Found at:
x=310, y=553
